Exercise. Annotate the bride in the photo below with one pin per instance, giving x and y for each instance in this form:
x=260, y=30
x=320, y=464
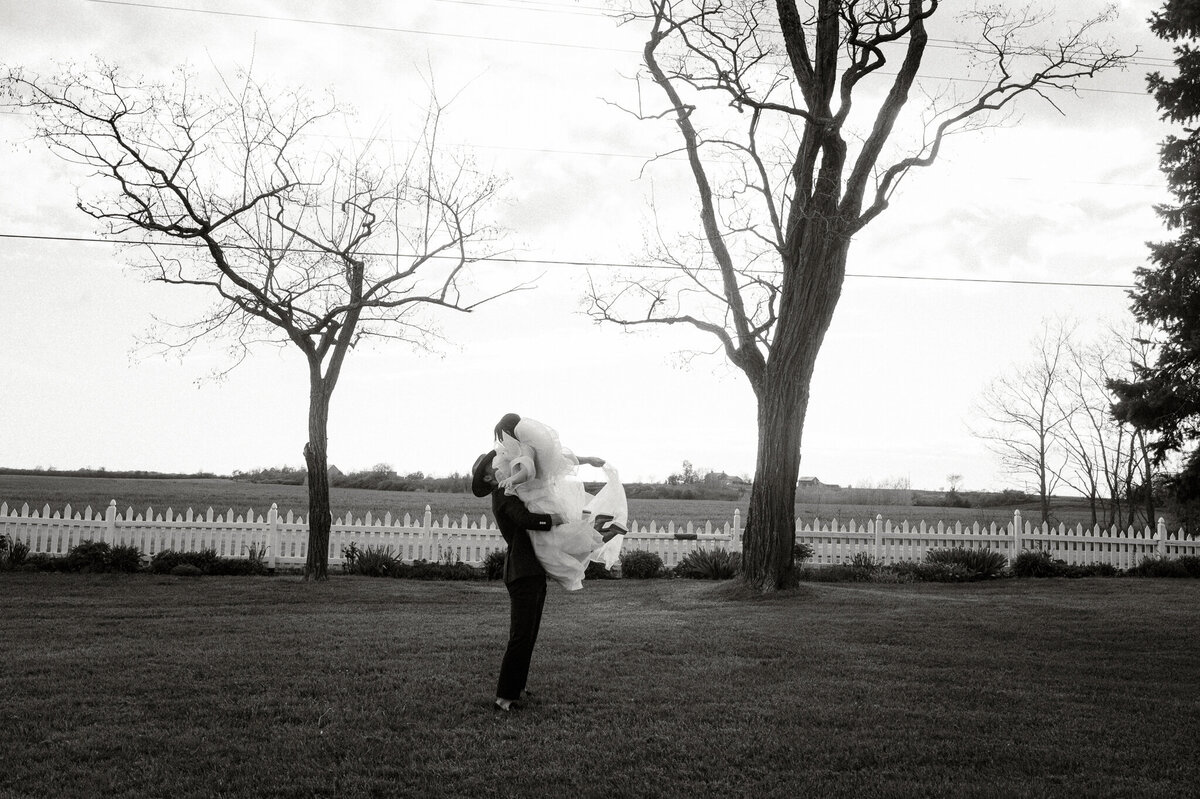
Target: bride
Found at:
x=531, y=462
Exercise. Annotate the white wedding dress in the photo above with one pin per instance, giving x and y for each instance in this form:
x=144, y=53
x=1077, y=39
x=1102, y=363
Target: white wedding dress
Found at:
x=595, y=526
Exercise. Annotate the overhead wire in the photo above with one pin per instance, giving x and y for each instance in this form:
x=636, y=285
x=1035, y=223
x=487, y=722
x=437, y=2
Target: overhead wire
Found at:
x=495, y=39
x=543, y=8
x=600, y=11
x=570, y=262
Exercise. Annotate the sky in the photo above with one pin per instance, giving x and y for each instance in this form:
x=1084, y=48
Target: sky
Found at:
x=1053, y=195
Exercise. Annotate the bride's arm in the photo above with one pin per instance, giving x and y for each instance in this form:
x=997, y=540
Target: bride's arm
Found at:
x=522, y=470
x=590, y=460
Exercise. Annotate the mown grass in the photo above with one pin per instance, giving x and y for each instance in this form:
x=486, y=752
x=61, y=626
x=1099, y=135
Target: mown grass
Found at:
x=132, y=686
x=223, y=494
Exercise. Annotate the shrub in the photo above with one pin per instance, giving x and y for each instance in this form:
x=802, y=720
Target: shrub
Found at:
x=598, y=571
x=493, y=565
x=1037, y=563
x=709, y=564
x=926, y=572
x=165, y=561
x=186, y=570
x=864, y=564
x=1186, y=566
x=802, y=552
x=640, y=564
x=437, y=570
x=237, y=567
x=861, y=568
x=89, y=556
x=1093, y=570
x=12, y=553
x=125, y=558
x=982, y=564
x=350, y=554
x=835, y=573
x=43, y=562
x=377, y=561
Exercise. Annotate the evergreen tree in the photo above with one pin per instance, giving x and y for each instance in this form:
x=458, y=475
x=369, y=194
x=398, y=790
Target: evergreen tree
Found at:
x=1165, y=397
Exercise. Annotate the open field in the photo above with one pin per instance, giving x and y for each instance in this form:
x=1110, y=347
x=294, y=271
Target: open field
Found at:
x=133, y=686
x=222, y=494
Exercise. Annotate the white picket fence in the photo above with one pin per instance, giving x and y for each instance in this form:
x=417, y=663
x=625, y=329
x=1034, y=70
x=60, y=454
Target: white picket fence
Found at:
x=284, y=539
x=887, y=543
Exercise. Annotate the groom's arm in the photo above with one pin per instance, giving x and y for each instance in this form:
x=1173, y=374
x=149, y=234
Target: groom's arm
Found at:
x=514, y=510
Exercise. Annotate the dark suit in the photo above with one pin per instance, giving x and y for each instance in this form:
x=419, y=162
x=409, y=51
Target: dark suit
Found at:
x=525, y=580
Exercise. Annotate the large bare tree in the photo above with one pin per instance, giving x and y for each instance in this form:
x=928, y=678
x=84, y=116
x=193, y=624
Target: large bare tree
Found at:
x=238, y=193
x=783, y=110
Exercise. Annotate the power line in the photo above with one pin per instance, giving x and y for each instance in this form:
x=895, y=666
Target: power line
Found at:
x=600, y=11
x=497, y=39
x=578, y=262
x=359, y=26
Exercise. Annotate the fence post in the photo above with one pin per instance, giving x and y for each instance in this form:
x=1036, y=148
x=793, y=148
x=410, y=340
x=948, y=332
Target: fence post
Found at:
x=272, y=535
x=735, y=535
x=110, y=522
x=427, y=535
x=1016, y=537
x=1162, y=537
x=878, y=554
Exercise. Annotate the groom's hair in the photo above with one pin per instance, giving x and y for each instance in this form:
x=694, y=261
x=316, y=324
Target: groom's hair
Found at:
x=507, y=424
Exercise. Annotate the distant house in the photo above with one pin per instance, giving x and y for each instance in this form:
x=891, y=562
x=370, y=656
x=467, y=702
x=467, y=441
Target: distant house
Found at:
x=723, y=480
x=716, y=479
x=813, y=482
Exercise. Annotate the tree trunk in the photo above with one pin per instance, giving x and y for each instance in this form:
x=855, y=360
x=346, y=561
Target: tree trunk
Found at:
x=810, y=295
x=770, y=537
x=316, y=456
x=1042, y=490
x=1149, y=481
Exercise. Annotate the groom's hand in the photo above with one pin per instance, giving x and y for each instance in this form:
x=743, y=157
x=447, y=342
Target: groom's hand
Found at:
x=557, y=519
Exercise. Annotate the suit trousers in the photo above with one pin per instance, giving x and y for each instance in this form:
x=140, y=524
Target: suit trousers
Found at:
x=527, y=596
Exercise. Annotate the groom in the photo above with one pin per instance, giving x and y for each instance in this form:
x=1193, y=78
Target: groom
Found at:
x=524, y=577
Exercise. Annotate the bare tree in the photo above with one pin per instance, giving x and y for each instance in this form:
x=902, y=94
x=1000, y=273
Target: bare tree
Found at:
x=1051, y=420
x=761, y=94
x=236, y=193
x=1025, y=412
x=1090, y=438
x=1107, y=460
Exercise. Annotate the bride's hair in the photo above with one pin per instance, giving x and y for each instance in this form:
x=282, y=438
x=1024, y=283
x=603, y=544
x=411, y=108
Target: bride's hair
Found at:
x=507, y=424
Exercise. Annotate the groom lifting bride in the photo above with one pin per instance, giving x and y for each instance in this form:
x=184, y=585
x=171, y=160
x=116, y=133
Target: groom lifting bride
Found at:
x=551, y=526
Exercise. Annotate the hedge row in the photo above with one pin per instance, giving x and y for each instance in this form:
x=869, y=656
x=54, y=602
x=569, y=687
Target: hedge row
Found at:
x=943, y=565
x=99, y=556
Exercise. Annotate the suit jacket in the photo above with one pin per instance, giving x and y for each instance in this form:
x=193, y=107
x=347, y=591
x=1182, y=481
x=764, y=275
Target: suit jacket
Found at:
x=515, y=522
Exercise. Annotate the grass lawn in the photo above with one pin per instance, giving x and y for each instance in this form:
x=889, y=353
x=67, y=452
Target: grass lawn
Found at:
x=137, y=685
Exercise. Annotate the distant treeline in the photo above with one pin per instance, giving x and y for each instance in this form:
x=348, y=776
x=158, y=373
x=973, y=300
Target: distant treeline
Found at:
x=373, y=479
x=907, y=497
x=386, y=480
x=383, y=480
x=138, y=474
